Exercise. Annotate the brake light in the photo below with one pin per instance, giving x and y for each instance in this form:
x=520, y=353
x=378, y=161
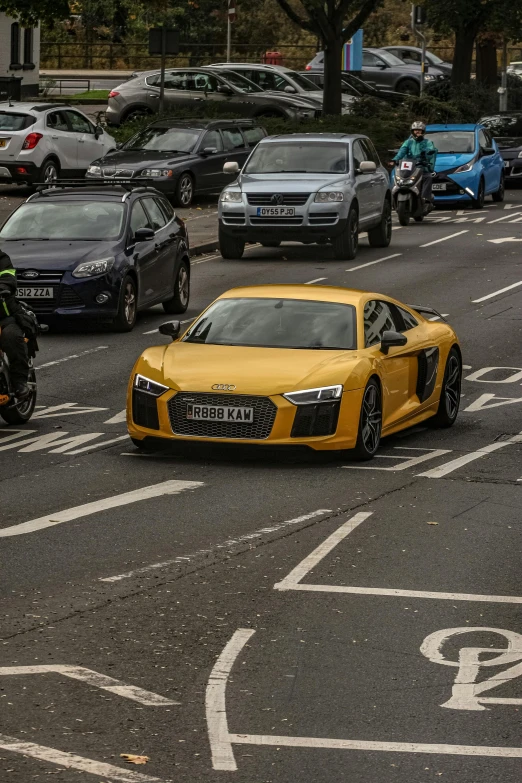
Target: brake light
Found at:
x=31, y=141
x=113, y=94
x=308, y=68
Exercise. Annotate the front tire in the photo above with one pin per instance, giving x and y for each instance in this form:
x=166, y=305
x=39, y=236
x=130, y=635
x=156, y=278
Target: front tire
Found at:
x=478, y=203
x=370, y=422
x=403, y=213
x=345, y=245
x=408, y=87
x=230, y=247
x=449, y=402
x=380, y=236
x=21, y=413
x=180, y=301
x=127, y=306
x=499, y=194
x=184, y=192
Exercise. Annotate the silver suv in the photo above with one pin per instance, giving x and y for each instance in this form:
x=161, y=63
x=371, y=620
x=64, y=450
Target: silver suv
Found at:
x=307, y=187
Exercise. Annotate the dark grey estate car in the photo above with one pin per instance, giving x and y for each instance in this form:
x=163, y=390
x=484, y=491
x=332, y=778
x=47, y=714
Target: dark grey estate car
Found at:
x=187, y=88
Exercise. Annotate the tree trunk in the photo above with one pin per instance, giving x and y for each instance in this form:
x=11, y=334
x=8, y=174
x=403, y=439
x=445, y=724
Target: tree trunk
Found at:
x=333, y=51
x=487, y=68
x=464, y=43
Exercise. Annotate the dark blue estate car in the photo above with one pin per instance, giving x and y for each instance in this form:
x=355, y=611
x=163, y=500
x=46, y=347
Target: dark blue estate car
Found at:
x=98, y=253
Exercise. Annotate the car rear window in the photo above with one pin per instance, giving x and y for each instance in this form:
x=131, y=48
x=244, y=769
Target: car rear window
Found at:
x=10, y=121
x=277, y=323
x=253, y=135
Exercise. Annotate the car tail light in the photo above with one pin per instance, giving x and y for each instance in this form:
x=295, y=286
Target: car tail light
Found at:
x=113, y=94
x=31, y=141
x=21, y=170
x=308, y=68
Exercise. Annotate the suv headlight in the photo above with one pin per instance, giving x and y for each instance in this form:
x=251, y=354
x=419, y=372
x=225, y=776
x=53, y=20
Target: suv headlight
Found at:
x=429, y=77
x=463, y=168
x=150, y=387
x=91, y=268
x=520, y=154
x=96, y=170
x=329, y=195
x=156, y=173
x=231, y=195
x=305, y=113
x=312, y=396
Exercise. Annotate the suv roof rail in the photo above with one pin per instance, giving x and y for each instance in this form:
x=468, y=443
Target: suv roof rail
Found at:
x=128, y=184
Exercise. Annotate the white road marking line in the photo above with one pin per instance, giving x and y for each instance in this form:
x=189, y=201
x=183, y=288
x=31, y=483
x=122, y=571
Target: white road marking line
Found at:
x=317, y=280
x=504, y=239
x=95, y=679
x=215, y=702
x=407, y=462
x=306, y=565
x=504, y=217
x=186, y=321
x=230, y=542
x=120, y=418
x=72, y=761
x=396, y=228
x=443, y=239
x=449, y=467
x=371, y=263
x=65, y=409
x=390, y=747
x=171, y=487
x=98, y=445
x=438, y=317
x=73, y=356
x=467, y=366
x=496, y=293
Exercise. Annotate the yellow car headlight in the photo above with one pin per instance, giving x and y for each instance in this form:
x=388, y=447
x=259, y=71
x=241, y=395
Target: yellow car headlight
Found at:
x=150, y=387
x=313, y=396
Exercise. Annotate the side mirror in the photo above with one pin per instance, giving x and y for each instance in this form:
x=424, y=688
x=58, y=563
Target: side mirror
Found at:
x=170, y=329
x=98, y=131
x=391, y=338
x=232, y=167
x=290, y=89
x=225, y=90
x=381, y=65
x=119, y=145
x=143, y=234
x=208, y=151
x=367, y=167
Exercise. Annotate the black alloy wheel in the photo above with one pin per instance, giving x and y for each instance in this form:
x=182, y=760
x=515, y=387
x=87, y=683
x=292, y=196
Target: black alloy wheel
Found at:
x=184, y=192
x=370, y=422
x=381, y=235
x=345, y=245
x=179, y=302
x=21, y=412
x=449, y=402
x=127, y=307
x=478, y=203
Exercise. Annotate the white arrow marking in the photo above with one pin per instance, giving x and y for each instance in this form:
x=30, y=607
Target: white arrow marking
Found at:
x=120, y=418
x=171, y=487
x=66, y=409
x=484, y=402
x=95, y=679
x=71, y=761
x=504, y=239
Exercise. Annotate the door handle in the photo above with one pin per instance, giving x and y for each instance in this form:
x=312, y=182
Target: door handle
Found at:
x=55, y=137
x=81, y=141
x=152, y=95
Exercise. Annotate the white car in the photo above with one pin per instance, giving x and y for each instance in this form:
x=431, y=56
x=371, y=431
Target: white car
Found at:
x=43, y=141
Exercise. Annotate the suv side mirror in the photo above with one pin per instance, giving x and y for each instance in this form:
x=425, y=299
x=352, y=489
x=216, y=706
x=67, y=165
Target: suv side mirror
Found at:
x=208, y=151
x=98, y=131
x=290, y=89
x=170, y=329
x=232, y=167
x=143, y=234
x=391, y=338
x=367, y=167
x=225, y=89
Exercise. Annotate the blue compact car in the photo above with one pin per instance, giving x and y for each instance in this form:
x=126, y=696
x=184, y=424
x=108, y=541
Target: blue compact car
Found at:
x=469, y=165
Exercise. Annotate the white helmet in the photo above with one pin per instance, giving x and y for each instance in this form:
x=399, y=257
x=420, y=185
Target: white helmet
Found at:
x=418, y=126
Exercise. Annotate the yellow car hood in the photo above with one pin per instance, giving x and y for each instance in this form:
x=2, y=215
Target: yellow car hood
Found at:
x=266, y=371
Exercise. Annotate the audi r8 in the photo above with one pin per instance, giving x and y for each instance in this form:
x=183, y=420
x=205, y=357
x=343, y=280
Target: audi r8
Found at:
x=279, y=365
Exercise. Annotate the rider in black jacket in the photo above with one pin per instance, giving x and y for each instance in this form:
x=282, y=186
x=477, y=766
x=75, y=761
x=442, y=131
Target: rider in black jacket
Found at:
x=11, y=335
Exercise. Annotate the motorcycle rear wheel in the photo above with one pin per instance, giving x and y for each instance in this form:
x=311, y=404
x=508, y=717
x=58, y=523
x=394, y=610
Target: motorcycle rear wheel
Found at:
x=403, y=213
x=22, y=412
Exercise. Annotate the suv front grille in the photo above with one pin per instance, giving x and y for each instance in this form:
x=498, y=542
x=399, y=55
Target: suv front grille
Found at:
x=264, y=416
x=276, y=221
x=289, y=199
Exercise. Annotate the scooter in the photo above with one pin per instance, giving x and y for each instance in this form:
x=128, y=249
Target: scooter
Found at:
x=406, y=193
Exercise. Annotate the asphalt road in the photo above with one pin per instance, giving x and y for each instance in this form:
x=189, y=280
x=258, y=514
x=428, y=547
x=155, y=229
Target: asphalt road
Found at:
x=274, y=620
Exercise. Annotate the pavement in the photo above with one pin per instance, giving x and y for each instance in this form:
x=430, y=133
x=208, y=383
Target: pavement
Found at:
x=265, y=619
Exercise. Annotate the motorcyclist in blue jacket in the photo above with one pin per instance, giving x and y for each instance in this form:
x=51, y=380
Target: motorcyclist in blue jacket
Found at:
x=418, y=148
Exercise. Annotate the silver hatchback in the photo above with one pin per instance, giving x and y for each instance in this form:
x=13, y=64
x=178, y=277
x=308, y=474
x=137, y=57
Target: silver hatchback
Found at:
x=307, y=187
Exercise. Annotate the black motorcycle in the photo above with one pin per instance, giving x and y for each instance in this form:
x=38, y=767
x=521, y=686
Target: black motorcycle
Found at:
x=406, y=193
x=13, y=410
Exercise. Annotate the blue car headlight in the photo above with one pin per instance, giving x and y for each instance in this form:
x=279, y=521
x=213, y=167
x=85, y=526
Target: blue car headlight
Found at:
x=92, y=268
x=463, y=168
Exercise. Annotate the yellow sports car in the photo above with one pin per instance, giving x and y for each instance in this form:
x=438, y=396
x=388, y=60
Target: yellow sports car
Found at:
x=317, y=366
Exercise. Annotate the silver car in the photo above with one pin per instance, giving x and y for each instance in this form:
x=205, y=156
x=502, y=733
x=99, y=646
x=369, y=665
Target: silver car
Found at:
x=307, y=187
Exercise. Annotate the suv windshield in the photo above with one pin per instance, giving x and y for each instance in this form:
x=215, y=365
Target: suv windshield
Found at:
x=503, y=124
x=277, y=323
x=65, y=220
x=298, y=157
x=448, y=142
x=163, y=140
x=243, y=84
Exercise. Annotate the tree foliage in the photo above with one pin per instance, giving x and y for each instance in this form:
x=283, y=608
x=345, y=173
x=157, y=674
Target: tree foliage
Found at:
x=30, y=12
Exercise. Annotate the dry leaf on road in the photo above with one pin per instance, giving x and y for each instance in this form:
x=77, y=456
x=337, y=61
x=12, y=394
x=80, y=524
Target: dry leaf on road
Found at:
x=433, y=523
x=130, y=758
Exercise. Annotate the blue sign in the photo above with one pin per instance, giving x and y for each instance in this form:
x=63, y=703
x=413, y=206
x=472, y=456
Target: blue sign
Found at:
x=352, y=53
